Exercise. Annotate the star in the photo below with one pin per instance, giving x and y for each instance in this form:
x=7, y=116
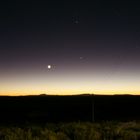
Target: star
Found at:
x=81, y=57
x=76, y=20
x=49, y=66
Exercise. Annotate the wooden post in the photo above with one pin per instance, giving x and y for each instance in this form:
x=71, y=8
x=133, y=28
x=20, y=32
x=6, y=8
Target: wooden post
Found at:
x=93, y=107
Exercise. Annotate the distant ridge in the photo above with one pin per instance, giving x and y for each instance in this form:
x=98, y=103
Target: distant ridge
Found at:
x=43, y=94
x=84, y=94
x=124, y=95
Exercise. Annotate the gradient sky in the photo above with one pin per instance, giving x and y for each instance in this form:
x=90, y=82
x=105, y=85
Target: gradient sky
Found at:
x=93, y=47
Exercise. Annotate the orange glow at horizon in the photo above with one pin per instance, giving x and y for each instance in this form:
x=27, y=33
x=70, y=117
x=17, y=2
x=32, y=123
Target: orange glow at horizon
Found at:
x=66, y=92
x=22, y=92
x=70, y=84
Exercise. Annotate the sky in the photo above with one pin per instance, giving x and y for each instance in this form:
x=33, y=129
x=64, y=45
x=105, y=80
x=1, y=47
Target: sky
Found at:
x=91, y=47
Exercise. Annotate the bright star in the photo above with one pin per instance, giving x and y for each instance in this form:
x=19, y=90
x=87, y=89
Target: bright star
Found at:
x=49, y=66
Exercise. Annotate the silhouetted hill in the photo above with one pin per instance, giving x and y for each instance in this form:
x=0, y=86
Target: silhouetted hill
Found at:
x=48, y=108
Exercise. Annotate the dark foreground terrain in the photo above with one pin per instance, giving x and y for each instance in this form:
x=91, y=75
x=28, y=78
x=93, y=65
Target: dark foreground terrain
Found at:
x=73, y=131
x=44, y=108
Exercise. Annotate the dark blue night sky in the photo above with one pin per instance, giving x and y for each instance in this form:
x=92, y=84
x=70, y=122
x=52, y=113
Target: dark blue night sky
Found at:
x=92, y=47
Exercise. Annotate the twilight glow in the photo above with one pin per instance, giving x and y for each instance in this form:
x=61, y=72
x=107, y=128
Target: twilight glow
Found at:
x=70, y=48
x=58, y=82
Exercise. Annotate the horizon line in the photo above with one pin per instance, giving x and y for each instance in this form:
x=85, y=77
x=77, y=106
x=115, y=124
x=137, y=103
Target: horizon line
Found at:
x=82, y=94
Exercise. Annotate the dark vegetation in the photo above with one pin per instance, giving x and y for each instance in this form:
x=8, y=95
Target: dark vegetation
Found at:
x=70, y=117
x=73, y=131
